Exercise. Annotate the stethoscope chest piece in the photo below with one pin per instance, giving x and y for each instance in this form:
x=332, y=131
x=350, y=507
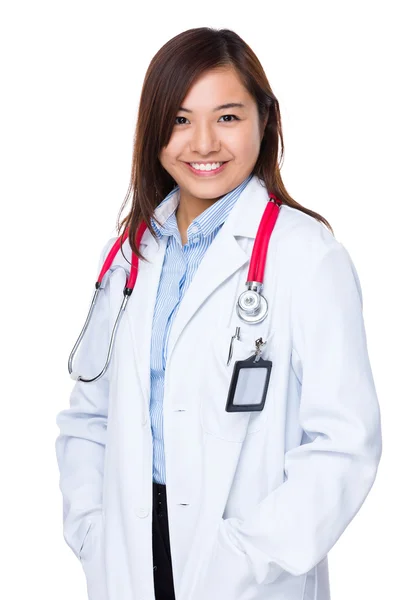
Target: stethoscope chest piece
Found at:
x=252, y=307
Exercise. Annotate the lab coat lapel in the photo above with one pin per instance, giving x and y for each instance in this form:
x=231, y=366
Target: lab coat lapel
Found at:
x=223, y=257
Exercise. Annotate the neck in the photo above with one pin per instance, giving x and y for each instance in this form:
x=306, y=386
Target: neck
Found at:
x=189, y=208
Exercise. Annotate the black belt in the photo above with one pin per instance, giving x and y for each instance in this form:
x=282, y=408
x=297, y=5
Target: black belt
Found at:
x=159, y=497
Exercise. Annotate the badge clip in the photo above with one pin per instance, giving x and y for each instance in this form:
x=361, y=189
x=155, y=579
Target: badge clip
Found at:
x=259, y=348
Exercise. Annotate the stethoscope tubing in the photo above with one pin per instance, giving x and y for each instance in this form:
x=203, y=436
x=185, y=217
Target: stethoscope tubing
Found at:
x=255, y=276
x=265, y=228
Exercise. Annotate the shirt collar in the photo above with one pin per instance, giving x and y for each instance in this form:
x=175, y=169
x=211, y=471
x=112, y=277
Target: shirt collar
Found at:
x=205, y=223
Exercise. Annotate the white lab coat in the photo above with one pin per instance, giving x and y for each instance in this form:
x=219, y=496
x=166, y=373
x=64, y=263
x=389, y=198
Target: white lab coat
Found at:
x=255, y=500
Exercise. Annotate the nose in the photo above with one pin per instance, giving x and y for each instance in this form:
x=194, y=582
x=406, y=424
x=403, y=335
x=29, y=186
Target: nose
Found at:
x=204, y=140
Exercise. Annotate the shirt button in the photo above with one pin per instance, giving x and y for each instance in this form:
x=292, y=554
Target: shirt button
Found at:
x=142, y=512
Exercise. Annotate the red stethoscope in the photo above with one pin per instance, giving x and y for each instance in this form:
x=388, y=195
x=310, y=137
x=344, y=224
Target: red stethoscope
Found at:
x=251, y=306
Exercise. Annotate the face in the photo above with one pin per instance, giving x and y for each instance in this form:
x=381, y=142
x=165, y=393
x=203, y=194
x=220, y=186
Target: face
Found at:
x=204, y=133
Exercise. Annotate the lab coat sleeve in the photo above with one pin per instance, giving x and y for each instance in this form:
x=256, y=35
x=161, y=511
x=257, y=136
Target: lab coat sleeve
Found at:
x=80, y=446
x=330, y=474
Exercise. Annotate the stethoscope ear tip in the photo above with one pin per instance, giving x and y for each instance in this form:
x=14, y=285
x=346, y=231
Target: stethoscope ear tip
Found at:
x=75, y=376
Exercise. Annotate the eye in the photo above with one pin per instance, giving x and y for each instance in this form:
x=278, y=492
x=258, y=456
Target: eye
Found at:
x=235, y=118
x=180, y=118
x=222, y=117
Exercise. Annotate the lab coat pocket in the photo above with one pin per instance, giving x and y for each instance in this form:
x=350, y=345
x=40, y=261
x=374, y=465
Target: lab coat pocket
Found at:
x=230, y=426
x=92, y=558
x=228, y=574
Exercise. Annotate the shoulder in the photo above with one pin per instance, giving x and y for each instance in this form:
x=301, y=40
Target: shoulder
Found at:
x=302, y=240
x=123, y=255
x=306, y=246
x=312, y=257
x=106, y=247
x=299, y=232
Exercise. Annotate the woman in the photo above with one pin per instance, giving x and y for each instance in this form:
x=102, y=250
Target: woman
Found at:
x=167, y=494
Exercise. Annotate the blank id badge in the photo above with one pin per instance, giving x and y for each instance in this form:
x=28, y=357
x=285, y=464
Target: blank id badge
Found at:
x=249, y=384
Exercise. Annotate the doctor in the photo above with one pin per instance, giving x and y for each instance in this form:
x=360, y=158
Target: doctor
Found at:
x=167, y=494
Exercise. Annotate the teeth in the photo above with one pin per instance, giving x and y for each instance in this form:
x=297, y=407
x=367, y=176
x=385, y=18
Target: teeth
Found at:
x=208, y=167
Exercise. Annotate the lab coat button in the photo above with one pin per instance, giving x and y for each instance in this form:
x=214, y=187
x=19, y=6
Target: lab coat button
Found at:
x=142, y=512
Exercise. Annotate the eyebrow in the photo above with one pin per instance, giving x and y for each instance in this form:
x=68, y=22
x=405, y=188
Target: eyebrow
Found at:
x=220, y=107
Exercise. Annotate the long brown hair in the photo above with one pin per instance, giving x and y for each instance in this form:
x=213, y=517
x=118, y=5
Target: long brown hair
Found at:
x=172, y=71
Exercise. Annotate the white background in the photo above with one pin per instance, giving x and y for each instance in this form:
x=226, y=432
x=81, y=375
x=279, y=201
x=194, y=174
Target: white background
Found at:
x=71, y=77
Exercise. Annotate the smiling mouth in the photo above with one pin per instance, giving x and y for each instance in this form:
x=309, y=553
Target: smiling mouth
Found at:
x=207, y=172
x=197, y=162
x=221, y=163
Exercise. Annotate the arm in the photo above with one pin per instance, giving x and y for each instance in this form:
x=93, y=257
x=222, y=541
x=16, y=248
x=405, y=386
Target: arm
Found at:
x=330, y=475
x=80, y=446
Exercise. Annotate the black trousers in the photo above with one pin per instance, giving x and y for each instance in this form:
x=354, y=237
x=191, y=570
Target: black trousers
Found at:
x=162, y=560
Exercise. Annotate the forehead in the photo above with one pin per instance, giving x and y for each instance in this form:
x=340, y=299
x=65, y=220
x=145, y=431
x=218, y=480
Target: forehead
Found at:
x=215, y=88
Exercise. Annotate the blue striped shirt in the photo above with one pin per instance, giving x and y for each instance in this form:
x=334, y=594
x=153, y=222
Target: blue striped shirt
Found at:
x=179, y=266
